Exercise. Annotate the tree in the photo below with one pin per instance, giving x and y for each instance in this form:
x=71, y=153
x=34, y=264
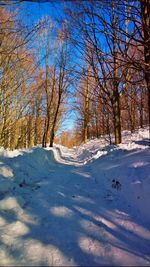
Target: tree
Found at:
x=63, y=77
x=17, y=65
x=113, y=31
x=145, y=17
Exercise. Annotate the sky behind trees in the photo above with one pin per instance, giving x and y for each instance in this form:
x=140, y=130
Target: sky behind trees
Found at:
x=80, y=65
x=34, y=11
x=30, y=12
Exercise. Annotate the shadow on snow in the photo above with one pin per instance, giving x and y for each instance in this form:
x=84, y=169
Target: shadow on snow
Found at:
x=70, y=217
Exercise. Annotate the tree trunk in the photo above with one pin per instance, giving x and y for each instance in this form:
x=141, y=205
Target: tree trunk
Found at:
x=47, y=119
x=52, y=132
x=116, y=96
x=86, y=111
x=145, y=16
x=116, y=113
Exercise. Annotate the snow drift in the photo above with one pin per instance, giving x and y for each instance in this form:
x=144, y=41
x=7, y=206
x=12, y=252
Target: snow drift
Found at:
x=59, y=206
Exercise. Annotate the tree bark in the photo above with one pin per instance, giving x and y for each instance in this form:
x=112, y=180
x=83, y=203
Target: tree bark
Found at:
x=116, y=113
x=86, y=111
x=145, y=16
x=52, y=132
x=116, y=95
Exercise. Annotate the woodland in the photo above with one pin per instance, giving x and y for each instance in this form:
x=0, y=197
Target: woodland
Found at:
x=93, y=60
x=74, y=133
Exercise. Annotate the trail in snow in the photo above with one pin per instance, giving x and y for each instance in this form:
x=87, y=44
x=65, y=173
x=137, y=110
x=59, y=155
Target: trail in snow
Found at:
x=58, y=206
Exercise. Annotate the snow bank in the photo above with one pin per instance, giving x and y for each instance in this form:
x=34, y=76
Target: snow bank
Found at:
x=97, y=148
x=29, y=165
x=59, y=208
x=23, y=168
x=9, y=153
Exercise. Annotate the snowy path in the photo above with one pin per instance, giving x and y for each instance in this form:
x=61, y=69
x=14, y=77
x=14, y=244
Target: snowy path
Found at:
x=67, y=213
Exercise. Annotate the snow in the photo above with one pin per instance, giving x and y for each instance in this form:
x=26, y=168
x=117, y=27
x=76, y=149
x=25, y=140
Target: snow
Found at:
x=58, y=206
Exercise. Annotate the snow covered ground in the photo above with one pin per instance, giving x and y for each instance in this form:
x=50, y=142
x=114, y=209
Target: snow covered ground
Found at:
x=58, y=206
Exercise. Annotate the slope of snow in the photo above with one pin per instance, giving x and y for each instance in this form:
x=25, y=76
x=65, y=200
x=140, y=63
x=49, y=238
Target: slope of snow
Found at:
x=58, y=206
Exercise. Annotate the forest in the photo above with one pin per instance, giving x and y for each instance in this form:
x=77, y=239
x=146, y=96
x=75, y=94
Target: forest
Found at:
x=93, y=61
x=75, y=133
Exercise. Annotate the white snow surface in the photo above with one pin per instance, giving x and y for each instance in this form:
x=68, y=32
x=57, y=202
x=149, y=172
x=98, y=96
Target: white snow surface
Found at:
x=58, y=206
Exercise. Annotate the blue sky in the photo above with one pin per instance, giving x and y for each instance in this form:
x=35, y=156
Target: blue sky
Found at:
x=30, y=13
